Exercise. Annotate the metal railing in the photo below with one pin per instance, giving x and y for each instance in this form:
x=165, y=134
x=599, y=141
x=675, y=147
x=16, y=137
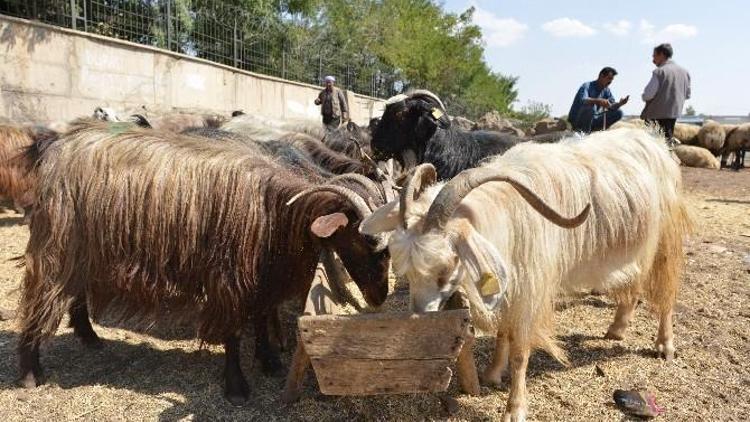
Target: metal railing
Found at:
x=217, y=31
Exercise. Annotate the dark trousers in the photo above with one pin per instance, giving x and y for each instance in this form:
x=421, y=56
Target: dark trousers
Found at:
x=666, y=125
x=331, y=123
x=588, y=120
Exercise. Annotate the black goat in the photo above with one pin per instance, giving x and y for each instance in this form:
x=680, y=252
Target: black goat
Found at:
x=418, y=124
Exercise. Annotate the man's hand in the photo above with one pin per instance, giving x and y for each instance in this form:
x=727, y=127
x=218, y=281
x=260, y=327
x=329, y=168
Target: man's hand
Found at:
x=623, y=100
x=317, y=101
x=603, y=103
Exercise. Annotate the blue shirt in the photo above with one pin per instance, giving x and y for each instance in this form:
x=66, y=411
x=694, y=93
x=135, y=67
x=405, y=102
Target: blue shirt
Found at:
x=586, y=91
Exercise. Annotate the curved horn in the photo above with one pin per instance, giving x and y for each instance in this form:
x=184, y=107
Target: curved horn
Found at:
x=396, y=99
x=368, y=160
x=409, y=160
x=371, y=187
x=426, y=93
x=423, y=176
x=359, y=204
x=453, y=192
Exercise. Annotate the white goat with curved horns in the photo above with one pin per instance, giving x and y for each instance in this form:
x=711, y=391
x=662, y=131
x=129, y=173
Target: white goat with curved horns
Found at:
x=477, y=232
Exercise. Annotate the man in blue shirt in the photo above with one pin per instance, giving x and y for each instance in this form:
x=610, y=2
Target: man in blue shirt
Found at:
x=593, y=102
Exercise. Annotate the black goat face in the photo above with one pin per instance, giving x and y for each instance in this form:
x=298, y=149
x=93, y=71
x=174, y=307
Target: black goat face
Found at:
x=406, y=125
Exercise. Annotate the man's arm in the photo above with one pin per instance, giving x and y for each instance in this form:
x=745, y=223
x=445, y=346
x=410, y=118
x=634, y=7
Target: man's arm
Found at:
x=687, y=93
x=319, y=100
x=651, y=89
x=583, y=97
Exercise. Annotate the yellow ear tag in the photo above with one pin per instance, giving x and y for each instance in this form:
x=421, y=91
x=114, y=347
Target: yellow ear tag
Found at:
x=437, y=113
x=489, y=285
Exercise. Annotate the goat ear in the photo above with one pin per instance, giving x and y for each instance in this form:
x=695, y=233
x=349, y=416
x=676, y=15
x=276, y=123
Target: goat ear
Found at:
x=485, y=266
x=326, y=225
x=384, y=219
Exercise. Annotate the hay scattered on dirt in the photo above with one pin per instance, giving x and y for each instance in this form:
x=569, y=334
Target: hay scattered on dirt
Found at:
x=165, y=375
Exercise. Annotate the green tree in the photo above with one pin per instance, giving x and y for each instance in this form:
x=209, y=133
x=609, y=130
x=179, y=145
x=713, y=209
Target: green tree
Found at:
x=690, y=111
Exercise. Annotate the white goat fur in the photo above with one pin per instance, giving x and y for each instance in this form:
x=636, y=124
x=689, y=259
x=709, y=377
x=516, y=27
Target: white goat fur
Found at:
x=631, y=242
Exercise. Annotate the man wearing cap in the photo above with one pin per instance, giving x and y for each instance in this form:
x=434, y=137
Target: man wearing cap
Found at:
x=332, y=104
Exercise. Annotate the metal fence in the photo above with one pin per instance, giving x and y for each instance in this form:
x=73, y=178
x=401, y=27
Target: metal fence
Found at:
x=216, y=31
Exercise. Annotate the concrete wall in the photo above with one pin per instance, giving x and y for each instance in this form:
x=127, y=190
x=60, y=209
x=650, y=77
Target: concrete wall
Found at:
x=50, y=74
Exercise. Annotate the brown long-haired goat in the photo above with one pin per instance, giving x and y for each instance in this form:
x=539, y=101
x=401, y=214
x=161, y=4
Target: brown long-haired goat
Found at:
x=17, y=175
x=141, y=221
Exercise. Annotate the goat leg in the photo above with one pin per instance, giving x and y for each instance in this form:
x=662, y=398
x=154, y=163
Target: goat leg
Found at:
x=30, y=368
x=236, y=388
x=79, y=320
x=515, y=409
x=268, y=357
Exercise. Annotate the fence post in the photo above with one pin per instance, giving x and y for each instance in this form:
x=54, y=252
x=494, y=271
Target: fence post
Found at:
x=73, y=14
x=234, y=43
x=169, y=26
x=320, y=66
x=85, y=17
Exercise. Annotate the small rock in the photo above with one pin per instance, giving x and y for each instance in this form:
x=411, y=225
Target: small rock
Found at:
x=599, y=371
x=637, y=403
x=717, y=249
x=7, y=314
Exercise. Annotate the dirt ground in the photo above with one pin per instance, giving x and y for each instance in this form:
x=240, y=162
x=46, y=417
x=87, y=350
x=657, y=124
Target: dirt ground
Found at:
x=166, y=375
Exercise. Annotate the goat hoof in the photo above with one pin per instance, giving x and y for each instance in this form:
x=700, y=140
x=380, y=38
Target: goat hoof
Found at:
x=237, y=399
x=291, y=395
x=272, y=367
x=237, y=392
x=666, y=352
x=614, y=335
x=514, y=416
x=494, y=382
x=30, y=380
x=94, y=342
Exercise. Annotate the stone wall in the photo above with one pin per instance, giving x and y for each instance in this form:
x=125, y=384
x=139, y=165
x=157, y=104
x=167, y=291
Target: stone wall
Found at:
x=50, y=74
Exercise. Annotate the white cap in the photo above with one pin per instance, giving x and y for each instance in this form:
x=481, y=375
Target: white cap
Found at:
x=329, y=78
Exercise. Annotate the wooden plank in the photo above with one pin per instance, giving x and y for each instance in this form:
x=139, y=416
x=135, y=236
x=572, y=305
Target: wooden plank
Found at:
x=321, y=299
x=386, y=336
x=343, y=377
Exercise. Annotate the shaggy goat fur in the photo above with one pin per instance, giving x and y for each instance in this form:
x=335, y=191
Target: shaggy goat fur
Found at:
x=693, y=156
x=17, y=172
x=320, y=153
x=140, y=221
x=178, y=122
x=630, y=244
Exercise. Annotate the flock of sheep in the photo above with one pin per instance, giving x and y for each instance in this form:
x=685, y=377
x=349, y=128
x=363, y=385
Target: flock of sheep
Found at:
x=219, y=221
x=701, y=145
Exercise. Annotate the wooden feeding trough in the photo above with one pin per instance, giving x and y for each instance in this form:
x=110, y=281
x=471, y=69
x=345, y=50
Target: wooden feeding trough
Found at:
x=380, y=353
